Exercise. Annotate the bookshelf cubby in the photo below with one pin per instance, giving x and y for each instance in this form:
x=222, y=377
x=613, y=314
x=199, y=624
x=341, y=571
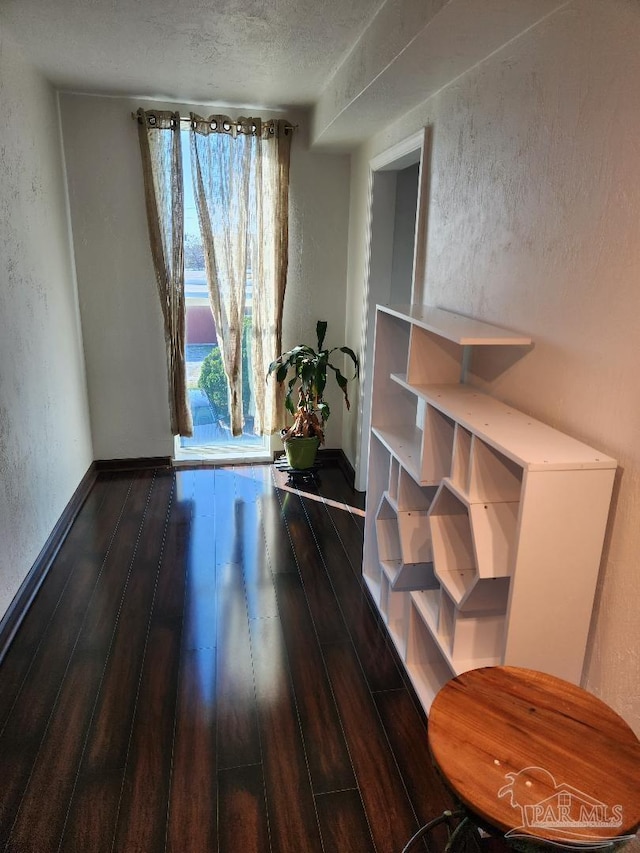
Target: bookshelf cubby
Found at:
x=482, y=523
x=404, y=546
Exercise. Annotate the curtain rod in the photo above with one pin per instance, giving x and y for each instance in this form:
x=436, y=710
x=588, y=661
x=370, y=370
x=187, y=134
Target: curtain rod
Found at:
x=185, y=120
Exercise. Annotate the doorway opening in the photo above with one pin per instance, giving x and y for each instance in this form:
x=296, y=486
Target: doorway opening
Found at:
x=206, y=383
x=396, y=253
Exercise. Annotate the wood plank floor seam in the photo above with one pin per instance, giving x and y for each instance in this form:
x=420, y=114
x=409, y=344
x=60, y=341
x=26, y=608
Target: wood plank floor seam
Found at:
x=357, y=787
x=277, y=491
x=371, y=692
x=276, y=620
x=383, y=632
x=115, y=828
x=106, y=662
x=107, y=658
x=234, y=768
x=356, y=569
x=336, y=708
x=296, y=700
x=340, y=723
x=191, y=818
x=175, y=713
x=240, y=766
x=335, y=791
x=268, y=817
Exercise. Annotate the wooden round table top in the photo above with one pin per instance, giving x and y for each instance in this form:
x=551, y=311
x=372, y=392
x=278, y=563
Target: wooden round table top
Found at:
x=532, y=755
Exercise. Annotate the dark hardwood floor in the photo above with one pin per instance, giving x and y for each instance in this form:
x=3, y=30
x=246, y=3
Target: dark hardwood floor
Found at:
x=203, y=671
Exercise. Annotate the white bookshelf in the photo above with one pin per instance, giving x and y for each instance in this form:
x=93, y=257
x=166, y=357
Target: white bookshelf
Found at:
x=484, y=527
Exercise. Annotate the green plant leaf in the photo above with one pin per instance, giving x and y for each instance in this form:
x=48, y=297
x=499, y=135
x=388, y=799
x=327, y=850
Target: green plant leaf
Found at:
x=308, y=372
x=342, y=382
x=288, y=402
x=321, y=378
x=324, y=410
x=354, y=358
x=292, y=355
x=321, y=331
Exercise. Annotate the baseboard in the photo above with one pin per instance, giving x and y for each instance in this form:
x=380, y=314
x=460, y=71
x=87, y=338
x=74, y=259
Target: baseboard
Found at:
x=347, y=469
x=29, y=587
x=338, y=458
x=133, y=464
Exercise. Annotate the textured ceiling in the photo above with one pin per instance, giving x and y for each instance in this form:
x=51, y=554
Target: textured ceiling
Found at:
x=270, y=53
x=360, y=63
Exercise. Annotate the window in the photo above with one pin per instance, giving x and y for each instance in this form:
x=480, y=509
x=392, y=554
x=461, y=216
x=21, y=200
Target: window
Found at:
x=242, y=192
x=206, y=383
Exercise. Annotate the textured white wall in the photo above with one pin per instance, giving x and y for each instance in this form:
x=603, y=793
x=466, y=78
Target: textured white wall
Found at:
x=317, y=285
x=535, y=225
x=45, y=443
x=121, y=316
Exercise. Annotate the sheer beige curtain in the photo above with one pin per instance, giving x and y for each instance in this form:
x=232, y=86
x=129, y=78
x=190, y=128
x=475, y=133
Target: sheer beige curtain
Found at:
x=241, y=183
x=159, y=134
x=269, y=260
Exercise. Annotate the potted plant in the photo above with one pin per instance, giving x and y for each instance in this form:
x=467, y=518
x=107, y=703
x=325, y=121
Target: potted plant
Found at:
x=304, y=395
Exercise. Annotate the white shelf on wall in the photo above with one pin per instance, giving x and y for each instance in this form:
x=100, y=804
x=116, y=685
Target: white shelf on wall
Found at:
x=394, y=481
x=388, y=536
x=507, y=514
x=448, y=325
x=404, y=546
x=523, y=439
x=412, y=495
x=395, y=608
x=405, y=443
x=464, y=641
x=425, y=664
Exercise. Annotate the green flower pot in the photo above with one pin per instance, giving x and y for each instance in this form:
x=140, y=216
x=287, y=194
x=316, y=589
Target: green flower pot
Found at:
x=301, y=452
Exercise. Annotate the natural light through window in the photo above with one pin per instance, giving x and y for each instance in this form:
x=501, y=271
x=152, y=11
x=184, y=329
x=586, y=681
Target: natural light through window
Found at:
x=206, y=383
